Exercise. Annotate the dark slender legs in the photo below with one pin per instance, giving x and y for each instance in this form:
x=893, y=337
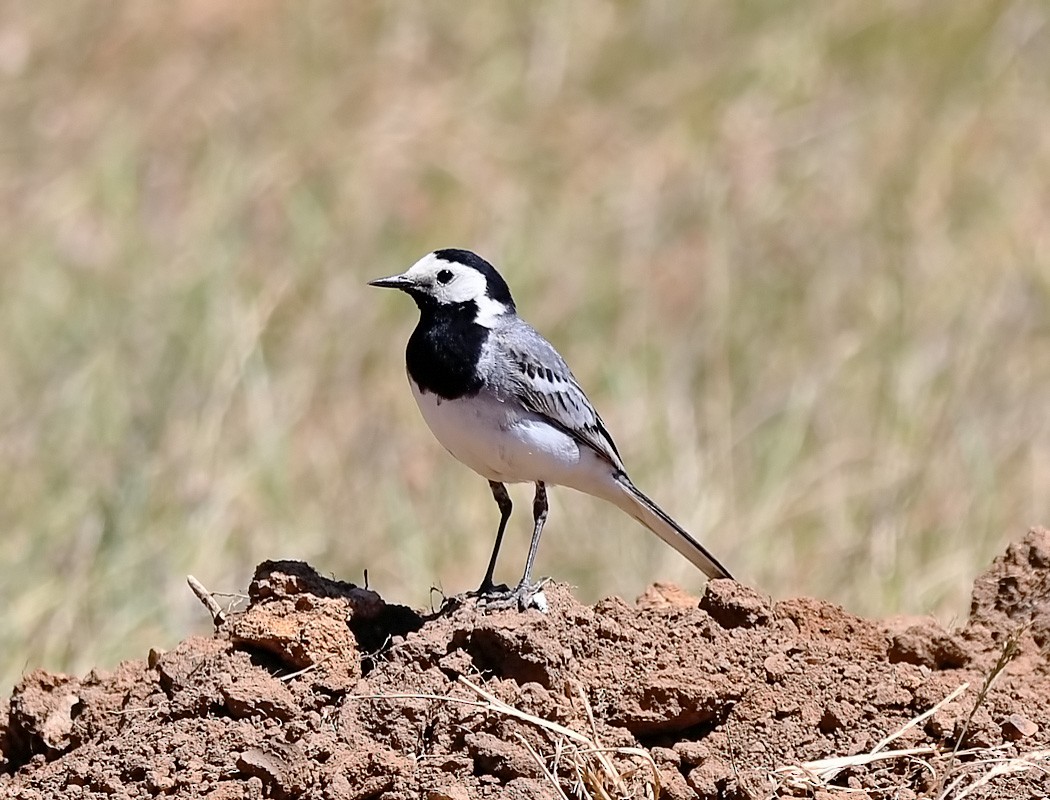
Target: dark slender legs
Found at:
x=521, y=596
x=499, y=491
x=539, y=515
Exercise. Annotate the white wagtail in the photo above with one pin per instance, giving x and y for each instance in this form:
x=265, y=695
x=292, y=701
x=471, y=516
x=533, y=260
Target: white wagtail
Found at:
x=500, y=399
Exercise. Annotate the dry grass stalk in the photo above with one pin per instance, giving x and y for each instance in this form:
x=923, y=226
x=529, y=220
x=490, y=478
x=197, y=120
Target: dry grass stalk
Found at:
x=1010, y=649
x=1037, y=759
x=552, y=779
x=818, y=774
x=218, y=616
x=591, y=763
x=922, y=717
x=596, y=776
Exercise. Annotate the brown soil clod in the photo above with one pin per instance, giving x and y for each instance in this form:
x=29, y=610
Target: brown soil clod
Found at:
x=321, y=689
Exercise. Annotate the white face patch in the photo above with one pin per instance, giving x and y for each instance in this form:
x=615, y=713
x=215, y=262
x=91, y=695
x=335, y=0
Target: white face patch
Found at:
x=450, y=283
x=489, y=311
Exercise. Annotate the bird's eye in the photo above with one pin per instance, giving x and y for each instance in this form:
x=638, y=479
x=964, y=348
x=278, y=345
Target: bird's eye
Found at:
x=444, y=276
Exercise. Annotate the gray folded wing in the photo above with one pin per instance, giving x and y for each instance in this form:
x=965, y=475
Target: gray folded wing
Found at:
x=542, y=381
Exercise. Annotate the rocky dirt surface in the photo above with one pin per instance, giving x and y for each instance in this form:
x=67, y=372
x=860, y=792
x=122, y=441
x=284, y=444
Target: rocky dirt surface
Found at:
x=320, y=689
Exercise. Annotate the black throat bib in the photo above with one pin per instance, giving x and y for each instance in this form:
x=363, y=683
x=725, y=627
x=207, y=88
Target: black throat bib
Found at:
x=444, y=349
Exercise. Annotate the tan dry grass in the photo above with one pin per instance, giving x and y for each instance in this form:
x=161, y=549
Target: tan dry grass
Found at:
x=798, y=254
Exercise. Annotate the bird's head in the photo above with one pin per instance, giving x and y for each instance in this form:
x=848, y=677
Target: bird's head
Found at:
x=454, y=280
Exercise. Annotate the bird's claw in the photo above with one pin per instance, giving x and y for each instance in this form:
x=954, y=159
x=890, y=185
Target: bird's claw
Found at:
x=490, y=589
x=521, y=598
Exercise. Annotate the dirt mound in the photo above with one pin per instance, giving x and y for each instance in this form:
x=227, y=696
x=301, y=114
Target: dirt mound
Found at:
x=321, y=689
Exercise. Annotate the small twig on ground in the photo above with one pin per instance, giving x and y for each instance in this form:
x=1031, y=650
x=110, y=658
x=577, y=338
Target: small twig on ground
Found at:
x=922, y=717
x=310, y=668
x=218, y=616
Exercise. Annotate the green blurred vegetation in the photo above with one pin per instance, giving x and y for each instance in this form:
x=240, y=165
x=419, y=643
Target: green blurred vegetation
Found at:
x=799, y=253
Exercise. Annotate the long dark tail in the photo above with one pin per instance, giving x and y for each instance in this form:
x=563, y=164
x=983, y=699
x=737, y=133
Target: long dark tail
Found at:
x=656, y=519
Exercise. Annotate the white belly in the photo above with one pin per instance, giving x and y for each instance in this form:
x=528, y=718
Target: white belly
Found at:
x=502, y=442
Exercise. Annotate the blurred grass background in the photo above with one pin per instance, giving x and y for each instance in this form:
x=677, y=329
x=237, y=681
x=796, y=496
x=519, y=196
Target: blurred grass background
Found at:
x=798, y=253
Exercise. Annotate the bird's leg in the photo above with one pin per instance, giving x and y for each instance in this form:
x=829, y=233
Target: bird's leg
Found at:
x=539, y=515
x=526, y=594
x=499, y=492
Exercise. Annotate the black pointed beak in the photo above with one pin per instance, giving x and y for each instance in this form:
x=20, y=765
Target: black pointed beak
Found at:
x=393, y=282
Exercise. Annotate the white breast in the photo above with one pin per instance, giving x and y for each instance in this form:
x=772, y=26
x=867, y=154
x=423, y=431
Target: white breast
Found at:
x=503, y=442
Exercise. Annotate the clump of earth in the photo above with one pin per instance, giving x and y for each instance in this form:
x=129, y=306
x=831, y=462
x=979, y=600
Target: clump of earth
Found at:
x=321, y=689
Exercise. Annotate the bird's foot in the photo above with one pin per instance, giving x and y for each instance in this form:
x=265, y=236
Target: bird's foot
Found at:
x=490, y=589
x=521, y=598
